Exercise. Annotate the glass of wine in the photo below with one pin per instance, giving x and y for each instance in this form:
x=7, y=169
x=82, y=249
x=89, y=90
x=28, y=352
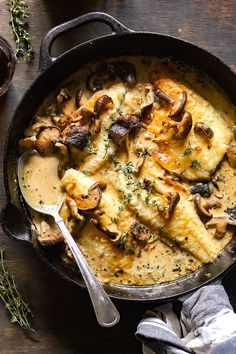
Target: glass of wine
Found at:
x=7, y=65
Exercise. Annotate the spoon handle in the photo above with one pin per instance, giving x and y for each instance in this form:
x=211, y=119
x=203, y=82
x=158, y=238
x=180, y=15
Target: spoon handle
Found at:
x=106, y=312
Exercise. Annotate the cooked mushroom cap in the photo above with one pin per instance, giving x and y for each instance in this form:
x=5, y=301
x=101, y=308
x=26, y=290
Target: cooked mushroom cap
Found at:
x=103, y=104
x=146, y=114
x=231, y=155
x=178, y=105
x=88, y=202
x=204, y=189
x=99, y=184
x=63, y=95
x=220, y=222
x=27, y=143
x=173, y=199
x=46, y=139
x=129, y=121
x=184, y=126
x=163, y=96
x=77, y=136
x=96, y=79
x=117, y=133
x=200, y=208
x=78, y=97
x=204, y=130
x=125, y=71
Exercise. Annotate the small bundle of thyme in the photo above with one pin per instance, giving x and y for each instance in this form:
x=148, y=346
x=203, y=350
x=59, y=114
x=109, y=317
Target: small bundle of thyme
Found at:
x=11, y=298
x=17, y=22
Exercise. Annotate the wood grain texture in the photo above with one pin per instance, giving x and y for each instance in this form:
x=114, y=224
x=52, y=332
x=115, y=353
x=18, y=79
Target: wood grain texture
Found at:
x=64, y=317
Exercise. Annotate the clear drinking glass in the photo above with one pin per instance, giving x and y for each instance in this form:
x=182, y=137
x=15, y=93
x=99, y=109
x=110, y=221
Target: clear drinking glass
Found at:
x=7, y=65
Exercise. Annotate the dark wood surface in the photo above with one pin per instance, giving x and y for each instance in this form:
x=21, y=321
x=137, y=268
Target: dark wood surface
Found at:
x=63, y=315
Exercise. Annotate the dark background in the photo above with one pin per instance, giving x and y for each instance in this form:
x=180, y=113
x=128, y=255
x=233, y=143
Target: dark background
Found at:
x=63, y=315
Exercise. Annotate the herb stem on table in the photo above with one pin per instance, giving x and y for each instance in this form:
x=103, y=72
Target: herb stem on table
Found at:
x=18, y=14
x=12, y=300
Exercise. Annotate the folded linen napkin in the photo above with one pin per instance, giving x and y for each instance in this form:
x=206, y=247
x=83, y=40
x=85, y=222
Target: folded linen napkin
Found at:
x=207, y=325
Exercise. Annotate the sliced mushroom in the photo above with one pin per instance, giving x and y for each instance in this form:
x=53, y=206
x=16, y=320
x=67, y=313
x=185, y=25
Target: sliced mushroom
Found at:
x=78, y=96
x=163, y=96
x=50, y=238
x=204, y=130
x=220, y=222
x=146, y=114
x=173, y=199
x=139, y=233
x=129, y=121
x=117, y=133
x=88, y=202
x=231, y=155
x=204, y=189
x=62, y=120
x=63, y=95
x=178, y=106
x=46, y=139
x=99, y=184
x=200, y=208
x=184, y=126
x=102, y=74
x=71, y=205
x=125, y=71
x=103, y=104
x=213, y=204
x=27, y=143
x=76, y=135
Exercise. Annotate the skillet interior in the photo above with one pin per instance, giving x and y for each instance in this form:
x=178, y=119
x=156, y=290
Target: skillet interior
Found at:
x=64, y=66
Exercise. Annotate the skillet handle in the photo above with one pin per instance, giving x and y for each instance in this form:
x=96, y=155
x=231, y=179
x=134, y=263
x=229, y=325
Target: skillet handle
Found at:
x=45, y=59
x=14, y=223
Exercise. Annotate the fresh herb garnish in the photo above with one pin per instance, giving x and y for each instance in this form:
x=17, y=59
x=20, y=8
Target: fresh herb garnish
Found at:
x=17, y=22
x=188, y=150
x=194, y=163
x=11, y=298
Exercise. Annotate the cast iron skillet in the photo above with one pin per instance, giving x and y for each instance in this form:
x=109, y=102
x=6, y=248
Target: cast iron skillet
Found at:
x=121, y=40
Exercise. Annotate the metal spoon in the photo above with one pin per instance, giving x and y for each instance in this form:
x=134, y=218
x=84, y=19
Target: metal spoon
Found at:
x=106, y=313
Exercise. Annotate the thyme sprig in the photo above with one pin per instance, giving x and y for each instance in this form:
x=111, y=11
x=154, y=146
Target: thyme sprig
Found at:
x=11, y=298
x=19, y=27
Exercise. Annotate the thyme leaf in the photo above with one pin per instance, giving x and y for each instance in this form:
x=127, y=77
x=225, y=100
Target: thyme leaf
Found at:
x=18, y=14
x=12, y=300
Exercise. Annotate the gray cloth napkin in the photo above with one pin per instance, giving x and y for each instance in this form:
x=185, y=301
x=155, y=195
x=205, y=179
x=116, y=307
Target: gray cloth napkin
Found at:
x=207, y=324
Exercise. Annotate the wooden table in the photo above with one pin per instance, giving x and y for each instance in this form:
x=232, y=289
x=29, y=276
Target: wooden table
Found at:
x=64, y=317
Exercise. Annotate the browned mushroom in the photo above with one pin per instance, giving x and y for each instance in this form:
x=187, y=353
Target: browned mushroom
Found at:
x=27, y=143
x=173, y=199
x=201, y=210
x=231, y=155
x=103, y=104
x=213, y=204
x=205, y=189
x=163, y=96
x=117, y=133
x=99, y=184
x=220, y=222
x=129, y=121
x=63, y=95
x=62, y=120
x=204, y=130
x=87, y=203
x=125, y=71
x=76, y=135
x=71, y=205
x=184, y=126
x=78, y=96
x=146, y=114
x=139, y=233
x=46, y=139
x=178, y=105
x=102, y=74
x=50, y=238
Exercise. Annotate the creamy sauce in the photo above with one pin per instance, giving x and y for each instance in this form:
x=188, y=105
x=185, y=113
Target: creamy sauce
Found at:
x=160, y=260
x=40, y=181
